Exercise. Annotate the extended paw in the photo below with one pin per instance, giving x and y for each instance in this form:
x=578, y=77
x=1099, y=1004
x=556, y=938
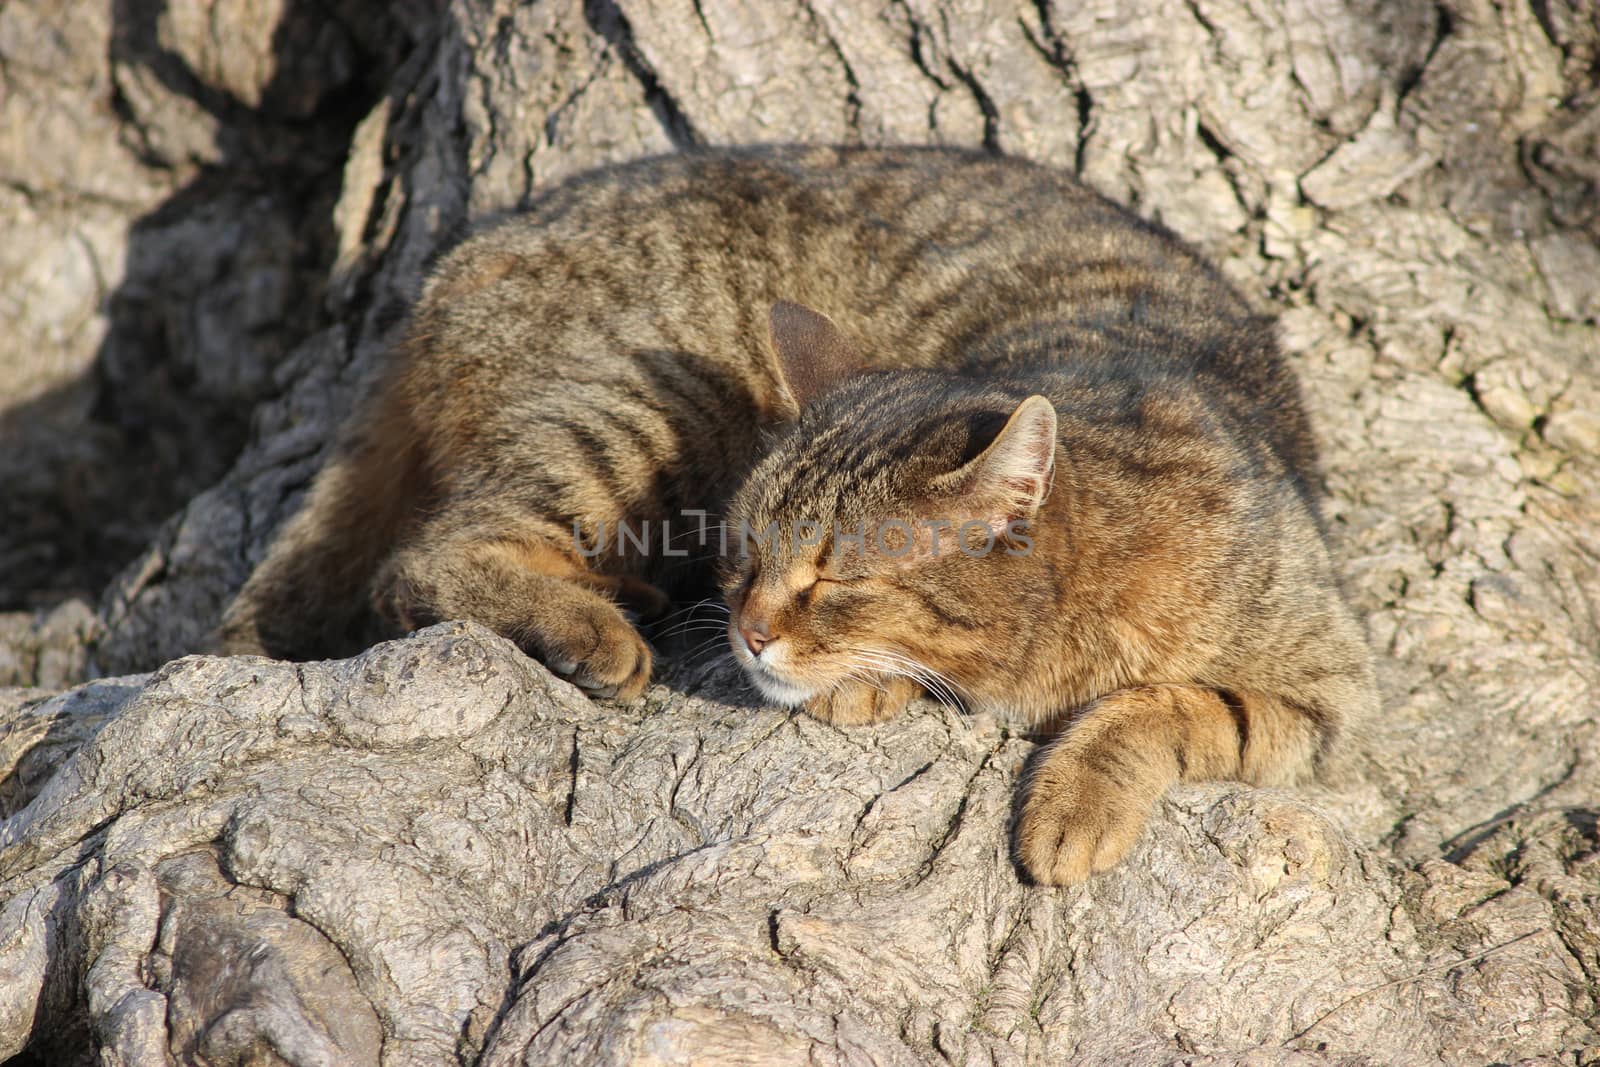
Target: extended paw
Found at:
x=858, y=703
x=1077, y=821
x=577, y=632
x=591, y=644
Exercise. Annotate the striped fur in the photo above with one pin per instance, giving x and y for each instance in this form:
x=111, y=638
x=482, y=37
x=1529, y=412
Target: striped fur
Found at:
x=1164, y=600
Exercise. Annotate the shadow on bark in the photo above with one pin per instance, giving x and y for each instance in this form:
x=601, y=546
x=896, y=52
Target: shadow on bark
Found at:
x=221, y=280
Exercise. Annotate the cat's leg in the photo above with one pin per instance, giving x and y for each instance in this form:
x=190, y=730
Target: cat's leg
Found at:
x=521, y=581
x=1094, y=787
x=857, y=703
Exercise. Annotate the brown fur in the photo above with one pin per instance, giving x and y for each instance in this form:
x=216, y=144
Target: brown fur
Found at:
x=1005, y=349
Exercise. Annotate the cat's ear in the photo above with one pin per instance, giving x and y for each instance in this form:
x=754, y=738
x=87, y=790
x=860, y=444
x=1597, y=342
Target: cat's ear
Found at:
x=1010, y=478
x=813, y=354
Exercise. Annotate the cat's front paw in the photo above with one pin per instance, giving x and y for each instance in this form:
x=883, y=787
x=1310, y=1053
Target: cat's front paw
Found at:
x=1077, y=821
x=857, y=703
x=577, y=632
x=588, y=642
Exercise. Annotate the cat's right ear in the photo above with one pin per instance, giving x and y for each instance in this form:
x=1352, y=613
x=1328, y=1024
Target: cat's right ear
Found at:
x=813, y=353
x=1011, y=477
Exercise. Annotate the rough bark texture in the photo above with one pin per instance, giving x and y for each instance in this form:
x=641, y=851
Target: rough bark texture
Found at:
x=215, y=213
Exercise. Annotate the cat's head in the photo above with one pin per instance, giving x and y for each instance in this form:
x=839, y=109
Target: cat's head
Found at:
x=887, y=529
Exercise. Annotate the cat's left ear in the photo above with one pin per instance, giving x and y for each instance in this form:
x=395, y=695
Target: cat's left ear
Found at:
x=813, y=353
x=1009, y=479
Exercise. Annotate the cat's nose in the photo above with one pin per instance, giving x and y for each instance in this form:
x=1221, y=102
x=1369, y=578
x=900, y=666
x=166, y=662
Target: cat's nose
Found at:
x=756, y=635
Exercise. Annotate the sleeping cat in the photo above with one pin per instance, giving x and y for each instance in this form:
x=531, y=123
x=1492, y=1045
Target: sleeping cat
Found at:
x=842, y=354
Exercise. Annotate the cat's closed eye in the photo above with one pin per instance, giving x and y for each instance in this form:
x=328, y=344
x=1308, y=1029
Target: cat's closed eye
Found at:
x=818, y=586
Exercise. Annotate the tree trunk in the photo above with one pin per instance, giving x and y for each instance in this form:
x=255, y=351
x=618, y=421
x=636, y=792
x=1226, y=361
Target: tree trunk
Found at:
x=438, y=852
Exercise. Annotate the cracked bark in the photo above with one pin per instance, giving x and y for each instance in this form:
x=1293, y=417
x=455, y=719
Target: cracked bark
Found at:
x=438, y=853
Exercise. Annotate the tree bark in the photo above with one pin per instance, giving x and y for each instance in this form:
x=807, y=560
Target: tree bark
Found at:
x=437, y=852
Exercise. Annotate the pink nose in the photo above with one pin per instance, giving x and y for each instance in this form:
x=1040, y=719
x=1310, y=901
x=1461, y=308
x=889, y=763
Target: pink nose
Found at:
x=757, y=636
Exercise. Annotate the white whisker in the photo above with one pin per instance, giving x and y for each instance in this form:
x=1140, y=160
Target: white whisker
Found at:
x=945, y=690
x=692, y=626
x=707, y=602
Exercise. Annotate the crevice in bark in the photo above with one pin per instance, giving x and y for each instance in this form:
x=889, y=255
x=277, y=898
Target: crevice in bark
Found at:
x=1444, y=24
x=853, y=96
x=1053, y=49
x=606, y=19
x=991, y=114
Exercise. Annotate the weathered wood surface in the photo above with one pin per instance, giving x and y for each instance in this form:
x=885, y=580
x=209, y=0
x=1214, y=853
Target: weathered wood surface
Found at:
x=438, y=852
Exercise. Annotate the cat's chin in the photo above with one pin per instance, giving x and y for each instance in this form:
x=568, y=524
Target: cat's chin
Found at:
x=777, y=690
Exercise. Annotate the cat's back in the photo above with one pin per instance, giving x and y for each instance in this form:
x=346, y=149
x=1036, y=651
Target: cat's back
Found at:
x=903, y=246
x=928, y=257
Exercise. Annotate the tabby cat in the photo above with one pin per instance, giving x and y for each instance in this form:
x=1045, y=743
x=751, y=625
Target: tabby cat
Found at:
x=840, y=354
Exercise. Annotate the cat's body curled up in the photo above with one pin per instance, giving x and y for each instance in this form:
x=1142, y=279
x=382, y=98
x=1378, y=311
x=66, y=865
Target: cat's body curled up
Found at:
x=1104, y=434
